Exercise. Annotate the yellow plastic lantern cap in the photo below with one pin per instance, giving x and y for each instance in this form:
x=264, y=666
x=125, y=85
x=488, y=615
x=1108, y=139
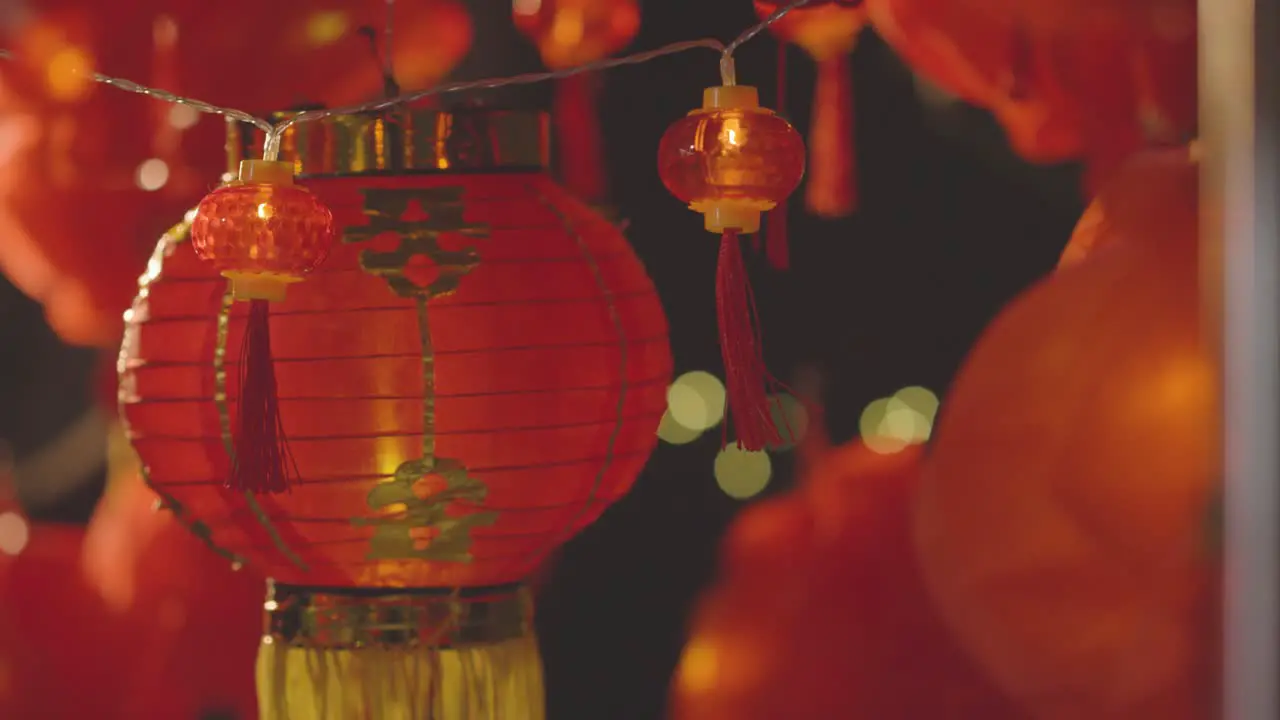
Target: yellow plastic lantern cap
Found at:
x=261, y=231
x=731, y=160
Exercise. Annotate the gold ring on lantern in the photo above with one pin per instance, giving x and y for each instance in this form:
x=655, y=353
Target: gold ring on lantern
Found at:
x=405, y=141
x=398, y=618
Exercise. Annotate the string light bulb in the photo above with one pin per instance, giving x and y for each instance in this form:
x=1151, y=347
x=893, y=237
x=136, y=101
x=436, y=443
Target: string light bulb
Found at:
x=732, y=160
x=262, y=232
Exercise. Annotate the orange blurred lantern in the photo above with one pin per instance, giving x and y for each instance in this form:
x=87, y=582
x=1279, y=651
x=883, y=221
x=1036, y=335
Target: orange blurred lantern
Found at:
x=828, y=30
x=128, y=162
x=732, y=160
x=820, y=611
x=1065, y=522
x=474, y=375
x=571, y=33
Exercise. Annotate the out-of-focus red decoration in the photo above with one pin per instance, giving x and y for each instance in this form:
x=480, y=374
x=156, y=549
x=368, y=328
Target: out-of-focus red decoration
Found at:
x=820, y=611
x=1067, y=522
x=732, y=160
x=136, y=616
x=195, y=620
x=828, y=30
x=570, y=33
x=1133, y=205
x=475, y=374
x=262, y=233
x=82, y=160
x=1096, y=83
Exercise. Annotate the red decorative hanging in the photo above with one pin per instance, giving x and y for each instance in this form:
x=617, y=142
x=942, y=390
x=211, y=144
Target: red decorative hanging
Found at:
x=732, y=160
x=572, y=33
x=828, y=30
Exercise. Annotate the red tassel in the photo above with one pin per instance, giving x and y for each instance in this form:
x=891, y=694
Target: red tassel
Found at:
x=580, y=145
x=747, y=381
x=832, y=190
x=263, y=463
x=775, y=232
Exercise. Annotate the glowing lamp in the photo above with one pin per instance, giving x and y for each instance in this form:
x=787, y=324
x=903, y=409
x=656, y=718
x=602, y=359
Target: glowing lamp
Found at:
x=732, y=160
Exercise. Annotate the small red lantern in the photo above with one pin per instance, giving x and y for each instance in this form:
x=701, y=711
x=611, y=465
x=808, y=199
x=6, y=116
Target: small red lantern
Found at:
x=732, y=160
x=828, y=30
x=474, y=374
x=572, y=33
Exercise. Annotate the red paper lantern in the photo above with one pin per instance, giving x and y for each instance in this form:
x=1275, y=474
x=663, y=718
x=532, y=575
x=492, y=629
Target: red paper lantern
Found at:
x=820, y=611
x=572, y=33
x=542, y=338
x=475, y=373
x=828, y=30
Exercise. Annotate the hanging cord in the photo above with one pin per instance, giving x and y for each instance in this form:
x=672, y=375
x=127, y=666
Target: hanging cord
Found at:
x=275, y=132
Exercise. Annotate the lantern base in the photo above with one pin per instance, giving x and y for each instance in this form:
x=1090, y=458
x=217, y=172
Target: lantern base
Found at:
x=272, y=288
x=399, y=654
x=740, y=215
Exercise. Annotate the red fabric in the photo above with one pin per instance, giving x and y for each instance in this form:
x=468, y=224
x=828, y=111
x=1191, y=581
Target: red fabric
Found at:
x=76, y=227
x=529, y=362
x=135, y=619
x=820, y=611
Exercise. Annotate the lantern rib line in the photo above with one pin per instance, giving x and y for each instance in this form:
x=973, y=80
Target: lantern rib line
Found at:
x=407, y=356
x=275, y=132
x=366, y=477
x=407, y=434
x=637, y=294
x=635, y=384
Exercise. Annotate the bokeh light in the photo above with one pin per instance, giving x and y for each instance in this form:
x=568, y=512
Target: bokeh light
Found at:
x=183, y=117
x=890, y=424
x=14, y=533
x=673, y=432
x=696, y=400
x=152, y=174
x=68, y=74
x=326, y=28
x=790, y=417
x=742, y=474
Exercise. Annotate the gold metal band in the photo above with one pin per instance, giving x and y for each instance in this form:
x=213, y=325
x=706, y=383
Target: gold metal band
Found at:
x=401, y=141
x=402, y=619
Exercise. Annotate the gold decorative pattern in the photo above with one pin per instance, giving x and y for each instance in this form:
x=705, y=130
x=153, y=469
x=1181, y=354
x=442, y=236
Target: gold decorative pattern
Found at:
x=393, y=530
x=405, y=141
x=349, y=619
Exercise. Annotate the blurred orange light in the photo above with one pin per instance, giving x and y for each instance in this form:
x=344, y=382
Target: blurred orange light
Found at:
x=69, y=74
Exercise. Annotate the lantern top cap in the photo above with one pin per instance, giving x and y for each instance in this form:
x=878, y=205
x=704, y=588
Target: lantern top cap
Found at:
x=404, y=141
x=267, y=172
x=730, y=97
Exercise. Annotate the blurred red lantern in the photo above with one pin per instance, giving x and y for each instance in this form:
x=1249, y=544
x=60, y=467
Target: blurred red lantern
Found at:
x=1096, y=83
x=1066, y=520
x=571, y=33
x=128, y=162
x=475, y=374
x=195, y=620
x=828, y=30
x=820, y=611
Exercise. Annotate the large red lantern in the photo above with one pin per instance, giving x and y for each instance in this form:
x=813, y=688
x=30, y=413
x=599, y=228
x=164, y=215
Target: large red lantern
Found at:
x=474, y=374
x=126, y=161
x=1067, y=523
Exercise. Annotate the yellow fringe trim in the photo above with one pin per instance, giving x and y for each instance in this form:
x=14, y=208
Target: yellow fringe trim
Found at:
x=495, y=681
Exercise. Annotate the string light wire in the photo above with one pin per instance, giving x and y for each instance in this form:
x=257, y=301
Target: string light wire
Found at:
x=275, y=132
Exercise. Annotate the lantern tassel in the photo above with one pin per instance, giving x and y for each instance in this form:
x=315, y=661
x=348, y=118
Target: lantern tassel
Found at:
x=832, y=189
x=747, y=381
x=776, y=250
x=263, y=463
x=581, y=147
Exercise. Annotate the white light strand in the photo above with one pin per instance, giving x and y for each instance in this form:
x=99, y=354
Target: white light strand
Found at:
x=274, y=132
